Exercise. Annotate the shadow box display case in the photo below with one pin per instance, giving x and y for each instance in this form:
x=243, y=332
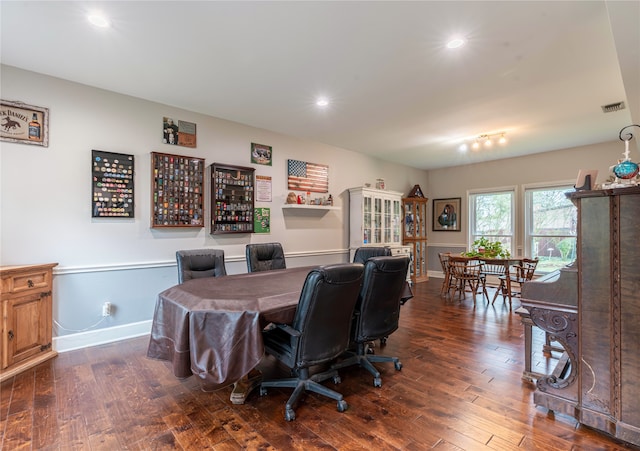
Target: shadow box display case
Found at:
x=232, y=199
x=177, y=190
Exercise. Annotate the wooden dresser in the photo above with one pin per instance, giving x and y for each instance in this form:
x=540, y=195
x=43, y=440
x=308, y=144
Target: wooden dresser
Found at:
x=602, y=338
x=25, y=298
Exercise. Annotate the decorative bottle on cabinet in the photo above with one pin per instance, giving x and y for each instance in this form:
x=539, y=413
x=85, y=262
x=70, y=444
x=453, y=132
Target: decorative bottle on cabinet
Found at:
x=414, y=232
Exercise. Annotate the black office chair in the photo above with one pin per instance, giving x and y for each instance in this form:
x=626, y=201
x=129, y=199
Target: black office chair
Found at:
x=265, y=256
x=197, y=263
x=319, y=333
x=377, y=312
x=363, y=254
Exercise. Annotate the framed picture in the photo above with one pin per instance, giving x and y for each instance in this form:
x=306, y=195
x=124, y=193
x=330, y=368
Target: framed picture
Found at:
x=446, y=214
x=112, y=185
x=178, y=133
x=25, y=124
x=261, y=154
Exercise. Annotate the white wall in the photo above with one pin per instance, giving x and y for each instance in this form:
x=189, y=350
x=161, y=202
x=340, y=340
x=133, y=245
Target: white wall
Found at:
x=45, y=198
x=45, y=195
x=548, y=167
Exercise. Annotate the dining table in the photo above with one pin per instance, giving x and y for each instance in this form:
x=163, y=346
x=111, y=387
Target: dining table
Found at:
x=490, y=268
x=212, y=327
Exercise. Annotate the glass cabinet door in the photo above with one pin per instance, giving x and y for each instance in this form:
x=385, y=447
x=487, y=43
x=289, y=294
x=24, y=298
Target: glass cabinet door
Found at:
x=396, y=224
x=367, y=213
x=377, y=220
x=387, y=221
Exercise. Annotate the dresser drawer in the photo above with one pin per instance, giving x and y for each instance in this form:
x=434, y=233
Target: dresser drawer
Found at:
x=26, y=281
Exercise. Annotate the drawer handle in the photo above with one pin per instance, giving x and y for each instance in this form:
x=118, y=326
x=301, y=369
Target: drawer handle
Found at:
x=10, y=335
x=30, y=283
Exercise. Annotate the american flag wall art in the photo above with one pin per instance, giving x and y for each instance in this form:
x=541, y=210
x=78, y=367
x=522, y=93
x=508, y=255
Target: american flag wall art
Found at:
x=303, y=176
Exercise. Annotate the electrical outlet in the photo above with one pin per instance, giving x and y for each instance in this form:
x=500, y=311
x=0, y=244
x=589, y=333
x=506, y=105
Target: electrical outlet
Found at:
x=106, y=309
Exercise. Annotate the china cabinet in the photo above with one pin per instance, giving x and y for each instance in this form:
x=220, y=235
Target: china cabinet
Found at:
x=375, y=218
x=414, y=234
x=26, y=318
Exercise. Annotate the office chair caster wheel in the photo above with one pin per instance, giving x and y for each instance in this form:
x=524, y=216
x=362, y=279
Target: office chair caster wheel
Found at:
x=289, y=415
x=342, y=405
x=263, y=391
x=377, y=382
x=336, y=380
x=398, y=366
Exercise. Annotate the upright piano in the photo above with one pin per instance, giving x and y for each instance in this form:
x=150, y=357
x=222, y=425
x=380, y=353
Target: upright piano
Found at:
x=592, y=308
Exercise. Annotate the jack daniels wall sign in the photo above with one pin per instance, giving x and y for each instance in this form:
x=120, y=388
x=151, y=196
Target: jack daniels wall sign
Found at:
x=112, y=185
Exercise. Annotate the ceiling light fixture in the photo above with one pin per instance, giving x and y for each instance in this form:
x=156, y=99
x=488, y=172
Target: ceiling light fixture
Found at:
x=455, y=43
x=99, y=20
x=322, y=102
x=487, y=139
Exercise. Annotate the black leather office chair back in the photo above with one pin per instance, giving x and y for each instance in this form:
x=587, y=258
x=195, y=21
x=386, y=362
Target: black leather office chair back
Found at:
x=364, y=253
x=379, y=301
x=319, y=333
x=324, y=312
x=264, y=257
x=197, y=263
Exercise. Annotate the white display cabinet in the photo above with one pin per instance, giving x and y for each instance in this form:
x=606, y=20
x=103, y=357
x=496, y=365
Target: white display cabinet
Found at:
x=375, y=218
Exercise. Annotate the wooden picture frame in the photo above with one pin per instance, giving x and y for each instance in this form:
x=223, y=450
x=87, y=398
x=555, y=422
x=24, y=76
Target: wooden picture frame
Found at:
x=23, y=123
x=177, y=191
x=446, y=214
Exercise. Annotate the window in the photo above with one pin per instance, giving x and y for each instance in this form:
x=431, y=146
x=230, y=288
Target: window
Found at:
x=491, y=215
x=550, y=230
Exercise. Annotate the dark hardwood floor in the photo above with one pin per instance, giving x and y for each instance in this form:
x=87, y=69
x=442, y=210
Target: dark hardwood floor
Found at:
x=460, y=388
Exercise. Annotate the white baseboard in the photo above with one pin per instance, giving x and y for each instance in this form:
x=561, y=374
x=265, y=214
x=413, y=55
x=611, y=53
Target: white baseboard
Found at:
x=97, y=337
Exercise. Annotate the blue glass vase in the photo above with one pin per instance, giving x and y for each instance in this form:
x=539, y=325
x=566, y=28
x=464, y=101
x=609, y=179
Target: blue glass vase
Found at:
x=625, y=170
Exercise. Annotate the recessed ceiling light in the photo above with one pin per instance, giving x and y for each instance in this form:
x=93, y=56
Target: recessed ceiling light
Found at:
x=99, y=20
x=456, y=43
x=322, y=102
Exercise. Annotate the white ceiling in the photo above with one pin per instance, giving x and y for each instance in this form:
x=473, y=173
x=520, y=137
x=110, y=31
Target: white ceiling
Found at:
x=538, y=70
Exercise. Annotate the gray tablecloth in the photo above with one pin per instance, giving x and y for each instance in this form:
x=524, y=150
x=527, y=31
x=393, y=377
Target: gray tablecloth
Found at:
x=212, y=327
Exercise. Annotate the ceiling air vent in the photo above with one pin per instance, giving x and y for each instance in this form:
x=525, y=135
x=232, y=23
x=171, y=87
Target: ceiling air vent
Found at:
x=612, y=107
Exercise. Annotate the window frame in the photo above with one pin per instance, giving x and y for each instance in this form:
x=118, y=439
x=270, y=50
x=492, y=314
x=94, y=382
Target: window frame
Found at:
x=527, y=202
x=471, y=203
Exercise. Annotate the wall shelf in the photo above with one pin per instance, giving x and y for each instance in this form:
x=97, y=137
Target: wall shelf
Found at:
x=309, y=207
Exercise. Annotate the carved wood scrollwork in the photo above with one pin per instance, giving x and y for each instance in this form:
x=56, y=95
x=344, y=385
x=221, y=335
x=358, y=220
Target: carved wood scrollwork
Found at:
x=563, y=327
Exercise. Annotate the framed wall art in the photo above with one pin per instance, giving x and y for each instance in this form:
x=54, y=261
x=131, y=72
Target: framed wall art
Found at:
x=261, y=154
x=25, y=124
x=446, y=215
x=178, y=133
x=112, y=185
x=304, y=176
x=177, y=190
x=232, y=199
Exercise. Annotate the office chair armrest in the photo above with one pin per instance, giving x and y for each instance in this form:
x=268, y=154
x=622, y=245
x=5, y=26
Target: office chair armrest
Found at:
x=288, y=329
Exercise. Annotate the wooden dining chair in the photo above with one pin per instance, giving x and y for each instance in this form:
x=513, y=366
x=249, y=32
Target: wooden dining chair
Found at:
x=492, y=275
x=466, y=272
x=448, y=282
x=522, y=273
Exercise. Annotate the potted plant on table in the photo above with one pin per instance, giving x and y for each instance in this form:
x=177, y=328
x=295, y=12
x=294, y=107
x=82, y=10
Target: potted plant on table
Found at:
x=482, y=247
